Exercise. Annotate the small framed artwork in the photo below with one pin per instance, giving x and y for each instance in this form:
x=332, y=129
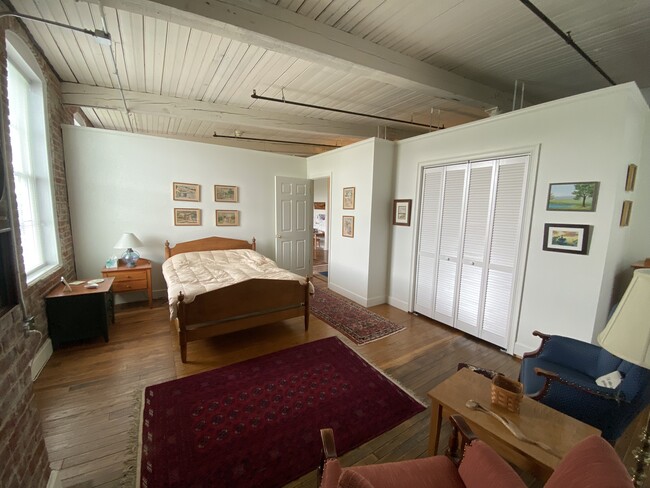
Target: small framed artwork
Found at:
x=348, y=226
x=631, y=177
x=348, y=198
x=574, y=197
x=626, y=212
x=319, y=205
x=228, y=217
x=187, y=192
x=570, y=238
x=226, y=193
x=402, y=212
x=187, y=216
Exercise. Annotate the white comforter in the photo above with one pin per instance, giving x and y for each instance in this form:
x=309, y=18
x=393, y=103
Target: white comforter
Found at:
x=194, y=273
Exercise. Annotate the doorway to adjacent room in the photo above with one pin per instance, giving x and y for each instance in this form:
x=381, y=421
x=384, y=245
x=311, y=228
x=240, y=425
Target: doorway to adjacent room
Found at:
x=321, y=227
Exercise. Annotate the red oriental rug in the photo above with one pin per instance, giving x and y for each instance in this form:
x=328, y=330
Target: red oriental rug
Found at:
x=257, y=423
x=356, y=322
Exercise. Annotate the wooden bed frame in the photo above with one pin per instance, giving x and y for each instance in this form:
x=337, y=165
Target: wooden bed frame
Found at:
x=236, y=307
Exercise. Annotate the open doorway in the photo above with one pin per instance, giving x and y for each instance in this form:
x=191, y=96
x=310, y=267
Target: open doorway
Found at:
x=321, y=227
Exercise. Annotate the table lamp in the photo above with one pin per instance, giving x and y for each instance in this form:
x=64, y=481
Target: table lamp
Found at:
x=627, y=336
x=128, y=241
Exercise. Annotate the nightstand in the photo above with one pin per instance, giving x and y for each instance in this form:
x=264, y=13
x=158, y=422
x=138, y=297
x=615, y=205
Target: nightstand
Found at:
x=82, y=313
x=137, y=278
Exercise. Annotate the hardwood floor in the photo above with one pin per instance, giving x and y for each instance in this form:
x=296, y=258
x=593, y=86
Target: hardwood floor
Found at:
x=87, y=393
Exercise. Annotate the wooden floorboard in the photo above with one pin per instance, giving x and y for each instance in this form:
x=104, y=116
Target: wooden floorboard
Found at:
x=87, y=393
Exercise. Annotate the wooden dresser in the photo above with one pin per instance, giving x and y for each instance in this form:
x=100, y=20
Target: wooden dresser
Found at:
x=127, y=279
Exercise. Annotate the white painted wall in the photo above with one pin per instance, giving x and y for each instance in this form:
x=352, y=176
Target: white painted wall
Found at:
x=381, y=221
x=582, y=138
x=120, y=182
x=350, y=258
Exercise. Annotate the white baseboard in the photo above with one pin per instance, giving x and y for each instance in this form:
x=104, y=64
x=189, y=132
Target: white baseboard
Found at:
x=54, y=481
x=40, y=359
x=397, y=303
x=371, y=302
x=348, y=294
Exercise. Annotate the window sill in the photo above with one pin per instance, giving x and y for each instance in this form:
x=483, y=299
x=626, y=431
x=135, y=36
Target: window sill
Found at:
x=42, y=273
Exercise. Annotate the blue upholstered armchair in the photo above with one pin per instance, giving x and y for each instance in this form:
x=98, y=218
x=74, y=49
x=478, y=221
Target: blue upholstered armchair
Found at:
x=562, y=374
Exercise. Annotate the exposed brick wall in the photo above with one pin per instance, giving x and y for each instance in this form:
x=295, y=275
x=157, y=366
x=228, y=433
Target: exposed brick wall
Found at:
x=23, y=457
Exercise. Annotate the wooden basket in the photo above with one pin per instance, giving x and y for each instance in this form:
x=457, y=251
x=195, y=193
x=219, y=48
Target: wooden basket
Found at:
x=506, y=393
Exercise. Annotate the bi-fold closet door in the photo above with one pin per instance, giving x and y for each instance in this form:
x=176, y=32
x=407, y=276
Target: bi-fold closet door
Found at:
x=470, y=227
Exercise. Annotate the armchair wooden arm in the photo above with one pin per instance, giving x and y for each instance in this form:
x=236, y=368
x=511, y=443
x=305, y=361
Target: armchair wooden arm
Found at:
x=550, y=376
x=544, y=337
x=461, y=436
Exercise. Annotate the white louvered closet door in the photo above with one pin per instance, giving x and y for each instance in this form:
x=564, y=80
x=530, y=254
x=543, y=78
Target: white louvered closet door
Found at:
x=474, y=247
x=504, y=248
x=453, y=209
x=470, y=228
x=428, y=244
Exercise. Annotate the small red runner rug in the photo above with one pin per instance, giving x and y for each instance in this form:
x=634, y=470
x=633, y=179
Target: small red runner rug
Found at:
x=257, y=423
x=356, y=322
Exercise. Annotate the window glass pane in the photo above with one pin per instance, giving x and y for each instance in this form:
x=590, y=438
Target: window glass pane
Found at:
x=29, y=154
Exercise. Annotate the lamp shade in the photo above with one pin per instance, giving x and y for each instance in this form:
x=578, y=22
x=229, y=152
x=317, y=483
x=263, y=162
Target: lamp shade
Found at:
x=627, y=334
x=127, y=241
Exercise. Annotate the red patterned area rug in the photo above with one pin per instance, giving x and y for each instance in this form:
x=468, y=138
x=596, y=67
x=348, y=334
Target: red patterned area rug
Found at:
x=356, y=322
x=257, y=423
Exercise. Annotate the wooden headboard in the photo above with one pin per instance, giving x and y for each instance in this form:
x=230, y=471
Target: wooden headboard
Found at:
x=207, y=244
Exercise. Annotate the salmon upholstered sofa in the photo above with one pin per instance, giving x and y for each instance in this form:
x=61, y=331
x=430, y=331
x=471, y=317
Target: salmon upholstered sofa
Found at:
x=471, y=463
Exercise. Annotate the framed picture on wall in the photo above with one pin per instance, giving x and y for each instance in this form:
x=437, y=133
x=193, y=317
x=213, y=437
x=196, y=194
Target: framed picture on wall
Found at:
x=187, y=216
x=348, y=198
x=573, y=197
x=348, y=226
x=572, y=238
x=186, y=192
x=402, y=212
x=228, y=217
x=626, y=212
x=226, y=193
x=631, y=177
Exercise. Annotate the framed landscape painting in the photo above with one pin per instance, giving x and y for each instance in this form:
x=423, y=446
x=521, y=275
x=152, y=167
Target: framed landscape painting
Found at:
x=227, y=217
x=348, y=198
x=402, y=212
x=570, y=238
x=348, y=226
x=187, y=216
x=574, y=197
x=226, y=193
x=187, y=192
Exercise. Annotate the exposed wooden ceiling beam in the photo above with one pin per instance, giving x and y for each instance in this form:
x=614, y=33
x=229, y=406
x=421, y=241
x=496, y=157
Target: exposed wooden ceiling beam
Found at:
x=146, y=103
x=260, y=23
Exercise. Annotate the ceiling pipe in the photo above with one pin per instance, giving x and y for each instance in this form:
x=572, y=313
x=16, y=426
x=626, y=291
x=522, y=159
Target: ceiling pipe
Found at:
x=100, y=36
x=567, y=38
x=276, y=141
x=340, y=111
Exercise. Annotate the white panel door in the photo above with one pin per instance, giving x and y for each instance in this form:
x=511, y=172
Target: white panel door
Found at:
x=428, y=243
x=294, y=201
x=503, y=249
x=474, y=246
x=453, y=209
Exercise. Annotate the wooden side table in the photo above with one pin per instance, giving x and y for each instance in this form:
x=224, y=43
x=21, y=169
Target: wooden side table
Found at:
x=82, y=313
x=536, y=420
x=127, y=279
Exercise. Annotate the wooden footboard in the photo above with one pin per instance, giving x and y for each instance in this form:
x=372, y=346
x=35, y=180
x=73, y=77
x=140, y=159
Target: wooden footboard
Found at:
x=241, y=306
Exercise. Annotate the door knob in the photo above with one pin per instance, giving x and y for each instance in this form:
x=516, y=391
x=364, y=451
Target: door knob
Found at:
x=279, y=236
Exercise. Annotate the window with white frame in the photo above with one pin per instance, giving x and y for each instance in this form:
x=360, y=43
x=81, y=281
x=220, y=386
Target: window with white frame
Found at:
x=30, y=161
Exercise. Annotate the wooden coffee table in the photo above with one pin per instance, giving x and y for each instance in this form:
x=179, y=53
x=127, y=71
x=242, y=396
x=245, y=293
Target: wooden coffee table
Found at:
x=537, y=421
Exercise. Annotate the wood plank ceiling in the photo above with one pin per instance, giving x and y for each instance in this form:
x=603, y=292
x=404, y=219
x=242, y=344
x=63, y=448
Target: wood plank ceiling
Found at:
x=188, y=69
